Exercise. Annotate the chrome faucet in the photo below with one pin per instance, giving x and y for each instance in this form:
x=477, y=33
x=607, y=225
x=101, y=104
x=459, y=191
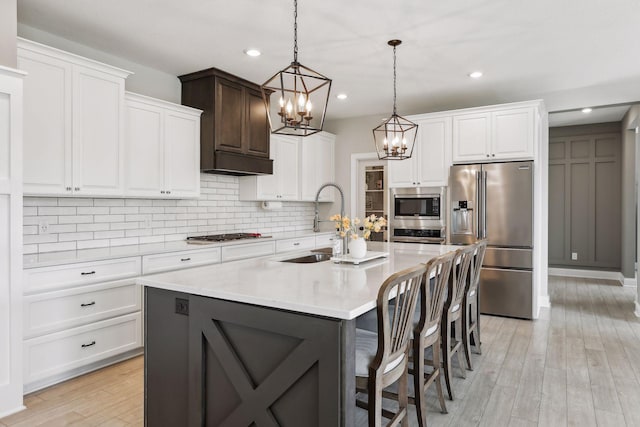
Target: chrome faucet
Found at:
x=316, y=219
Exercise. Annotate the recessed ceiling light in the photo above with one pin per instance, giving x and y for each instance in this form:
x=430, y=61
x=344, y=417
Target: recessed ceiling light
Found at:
x=475, y=74
x=341, y=96
x=252, y=52
x=587, y=110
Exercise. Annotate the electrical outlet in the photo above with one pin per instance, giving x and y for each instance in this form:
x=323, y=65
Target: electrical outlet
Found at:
x=43, y=227
x=182, y=306
x=574, y=256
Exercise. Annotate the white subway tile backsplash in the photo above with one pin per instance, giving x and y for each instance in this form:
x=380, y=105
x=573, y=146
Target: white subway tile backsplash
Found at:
x=68, y=237
x=55, y=247
x=30, y=249
x=75, y=219
x=83, y=223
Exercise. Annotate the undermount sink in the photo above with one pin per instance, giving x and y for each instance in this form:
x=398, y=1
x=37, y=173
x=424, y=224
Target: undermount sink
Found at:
x=309, y=259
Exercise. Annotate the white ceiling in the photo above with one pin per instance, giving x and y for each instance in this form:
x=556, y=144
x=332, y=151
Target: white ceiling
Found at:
x=597, y=115
x=571, y=53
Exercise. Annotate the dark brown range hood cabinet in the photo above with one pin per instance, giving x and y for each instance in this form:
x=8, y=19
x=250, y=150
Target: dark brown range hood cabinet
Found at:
x=234, y=132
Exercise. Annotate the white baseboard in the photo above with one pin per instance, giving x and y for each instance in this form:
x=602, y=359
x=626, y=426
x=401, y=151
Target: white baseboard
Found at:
x=543, y=302
x=629, y=282
x=12, y=411
x=593, y=274
x=637, y=312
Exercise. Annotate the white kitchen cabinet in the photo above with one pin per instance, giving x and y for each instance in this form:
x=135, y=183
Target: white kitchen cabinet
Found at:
x=162, y=149
x=178, y=260
x=249, y=250
x=317, y=159
x=77, y=315
x=498, y=134
x=294, y=244
x=283, y=184
x=430, y=161
x=74, y=116
x=11, y=361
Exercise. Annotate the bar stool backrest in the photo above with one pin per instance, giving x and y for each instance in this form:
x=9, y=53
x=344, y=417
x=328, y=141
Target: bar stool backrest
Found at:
x=395, y=325
x=458, y=279
x=476, y=264
x=433, y=296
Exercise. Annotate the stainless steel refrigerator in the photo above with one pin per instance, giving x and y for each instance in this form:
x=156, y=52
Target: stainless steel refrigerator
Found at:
x=495, y=201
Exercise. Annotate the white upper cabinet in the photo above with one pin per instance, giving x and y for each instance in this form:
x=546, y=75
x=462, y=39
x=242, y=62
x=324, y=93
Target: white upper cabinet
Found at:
x=283, y=183
x=162, y=149
x=499, y=134
x=317, y=154
x=430, y=161
x=300, y=167
x=73, y=116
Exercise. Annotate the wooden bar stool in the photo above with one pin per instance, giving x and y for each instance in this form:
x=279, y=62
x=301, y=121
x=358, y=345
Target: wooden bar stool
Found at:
x=471, y=300
x=452, y=314
x=382, y=358
x=427, y=333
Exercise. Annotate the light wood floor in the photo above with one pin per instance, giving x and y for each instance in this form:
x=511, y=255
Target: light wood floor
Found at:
x=579, y=364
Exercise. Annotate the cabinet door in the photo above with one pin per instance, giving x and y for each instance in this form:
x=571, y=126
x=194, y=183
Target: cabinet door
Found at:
x=513, y=134
x=144, y=164
x=182, y=158
x=47, y=124
x=256, y=124
x=285, y=168
x=317, y=161
x=434, y=140
x=229, y=115
x=266, y=186
x=471, y=137
x=403, y=173
x=98, y=137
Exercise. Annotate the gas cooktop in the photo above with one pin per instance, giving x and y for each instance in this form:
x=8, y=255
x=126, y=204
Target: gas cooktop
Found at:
x=223, y=237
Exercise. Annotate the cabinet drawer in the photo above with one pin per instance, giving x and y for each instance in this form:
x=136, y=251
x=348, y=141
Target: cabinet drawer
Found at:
x=295, y=244
x=177, y=260
x=54, y=311
x=232, y=253
x=70, y=275
x=63, y=351
x=325, y=240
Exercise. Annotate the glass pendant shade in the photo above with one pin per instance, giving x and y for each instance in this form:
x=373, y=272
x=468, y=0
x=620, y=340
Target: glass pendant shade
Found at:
x=396, y=136
x=296, y=98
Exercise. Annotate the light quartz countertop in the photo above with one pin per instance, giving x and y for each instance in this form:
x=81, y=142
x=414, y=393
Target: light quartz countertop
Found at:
x=97, y=254
x=342, y=291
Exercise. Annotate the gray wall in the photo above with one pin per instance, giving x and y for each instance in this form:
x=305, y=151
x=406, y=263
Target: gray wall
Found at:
x=585, y=196
x=629, y=192
x=145, y=80
x=8, y=21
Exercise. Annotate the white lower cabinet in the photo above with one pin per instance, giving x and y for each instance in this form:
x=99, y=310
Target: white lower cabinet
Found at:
x=251, y=250
x=177, y=260
x=295, y=244
x=53, y=355
x=79, y=317
x=325, y=240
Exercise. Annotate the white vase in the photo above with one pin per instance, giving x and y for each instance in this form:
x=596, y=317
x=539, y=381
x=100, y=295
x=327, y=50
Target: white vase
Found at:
x=357, y=248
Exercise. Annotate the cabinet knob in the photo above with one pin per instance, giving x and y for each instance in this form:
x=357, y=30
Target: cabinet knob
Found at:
x=89, y=304
x=493, y=155
x=77, y=189
x=92, y=343
x=68, y=188
x=487, y=155
x=168, y=192
x=162, y=192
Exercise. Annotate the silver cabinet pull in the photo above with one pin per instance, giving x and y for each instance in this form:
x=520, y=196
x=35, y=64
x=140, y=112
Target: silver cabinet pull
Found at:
x=185, y=259
x=168, y=192
x=68, y=188
x=296, y=244
x=92, y=343
x=87, y=273
x=88, y=304
x=77, y=188
x=162, y=192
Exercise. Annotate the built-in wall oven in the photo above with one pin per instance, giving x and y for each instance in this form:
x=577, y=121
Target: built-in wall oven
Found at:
x=417, y=215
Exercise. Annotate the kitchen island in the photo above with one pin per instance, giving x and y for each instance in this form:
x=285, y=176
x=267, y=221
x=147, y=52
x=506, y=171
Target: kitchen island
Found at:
x=261, y=340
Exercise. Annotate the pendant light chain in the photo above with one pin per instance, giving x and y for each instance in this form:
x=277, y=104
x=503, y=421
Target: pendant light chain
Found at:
x=394, y=81
x=295, y=31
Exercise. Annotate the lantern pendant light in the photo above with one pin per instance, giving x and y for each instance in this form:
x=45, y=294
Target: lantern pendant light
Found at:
x=296, y=98
x=396, y=136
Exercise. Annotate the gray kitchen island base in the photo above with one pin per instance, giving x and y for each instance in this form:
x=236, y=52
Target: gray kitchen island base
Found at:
x=211, y=362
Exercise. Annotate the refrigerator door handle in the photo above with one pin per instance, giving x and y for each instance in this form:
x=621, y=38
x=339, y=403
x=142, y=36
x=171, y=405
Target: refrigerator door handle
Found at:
x=479, y=206
x=484, y=204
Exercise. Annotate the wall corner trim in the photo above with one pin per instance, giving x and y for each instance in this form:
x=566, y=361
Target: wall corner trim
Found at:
x=637, y=312
x=543, y=302
x=22, y=407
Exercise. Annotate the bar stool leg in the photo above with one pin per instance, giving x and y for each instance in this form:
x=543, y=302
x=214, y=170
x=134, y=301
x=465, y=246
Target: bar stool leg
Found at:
x=438, y=379
x=466, y=333
x=446, y=354
x=418, y=381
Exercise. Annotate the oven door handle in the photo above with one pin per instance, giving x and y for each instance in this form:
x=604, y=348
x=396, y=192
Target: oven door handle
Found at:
x=437, y=240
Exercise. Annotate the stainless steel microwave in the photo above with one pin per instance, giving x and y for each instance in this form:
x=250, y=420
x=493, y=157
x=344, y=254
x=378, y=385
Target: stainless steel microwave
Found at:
x=422, y=203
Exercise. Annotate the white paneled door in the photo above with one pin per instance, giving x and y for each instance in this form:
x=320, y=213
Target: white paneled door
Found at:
x=10, y=241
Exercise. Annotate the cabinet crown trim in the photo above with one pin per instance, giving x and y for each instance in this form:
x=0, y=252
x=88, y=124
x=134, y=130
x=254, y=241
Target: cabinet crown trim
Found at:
x=71, y=57
x=131, y=96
